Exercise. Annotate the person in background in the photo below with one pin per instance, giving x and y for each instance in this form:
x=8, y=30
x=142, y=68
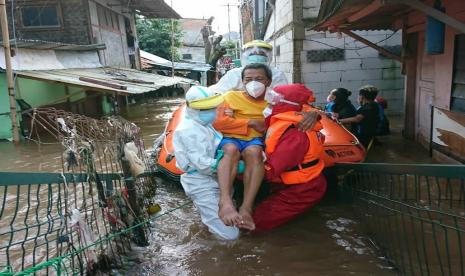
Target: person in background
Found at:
x=195, y=143
x=367, y=117
x=383, y=126
x=293, y=165
x=329, y=103
x=256, y=51
x=341, y=107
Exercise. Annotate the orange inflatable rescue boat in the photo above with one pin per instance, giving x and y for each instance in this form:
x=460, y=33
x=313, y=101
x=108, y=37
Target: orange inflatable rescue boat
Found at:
x=340, y=145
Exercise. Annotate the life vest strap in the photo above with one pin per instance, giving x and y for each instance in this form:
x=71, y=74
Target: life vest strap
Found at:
x=304, y=166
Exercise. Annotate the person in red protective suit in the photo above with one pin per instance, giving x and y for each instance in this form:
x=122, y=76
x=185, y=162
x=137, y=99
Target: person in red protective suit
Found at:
x=293, y=164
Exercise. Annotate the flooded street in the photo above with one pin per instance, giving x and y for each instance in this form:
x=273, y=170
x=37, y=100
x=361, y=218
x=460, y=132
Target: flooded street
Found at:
x=326, y=241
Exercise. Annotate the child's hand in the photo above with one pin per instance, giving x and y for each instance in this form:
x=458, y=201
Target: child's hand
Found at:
x=258, y=125
x=334, y=116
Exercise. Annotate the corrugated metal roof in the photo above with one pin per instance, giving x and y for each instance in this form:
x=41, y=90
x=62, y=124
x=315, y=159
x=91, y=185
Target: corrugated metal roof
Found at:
x=106, y=79
x=335, y=14
x=51, y=45
x=154, y=59
x=151, y=59
x=153, y=9
x=35, y=59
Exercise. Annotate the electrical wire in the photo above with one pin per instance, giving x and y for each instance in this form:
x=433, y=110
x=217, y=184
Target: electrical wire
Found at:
x=351, y=49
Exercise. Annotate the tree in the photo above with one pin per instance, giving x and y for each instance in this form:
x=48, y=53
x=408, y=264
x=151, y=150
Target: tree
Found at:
x=213, y=48
x=155, y=37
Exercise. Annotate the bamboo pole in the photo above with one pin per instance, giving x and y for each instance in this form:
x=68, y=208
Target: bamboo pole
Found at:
x=172, y=43
x=9, y=71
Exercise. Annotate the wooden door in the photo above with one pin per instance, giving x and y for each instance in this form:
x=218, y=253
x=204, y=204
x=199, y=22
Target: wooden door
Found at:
x=424, y=93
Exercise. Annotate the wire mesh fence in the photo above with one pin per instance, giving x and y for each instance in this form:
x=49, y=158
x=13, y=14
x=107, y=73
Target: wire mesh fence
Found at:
x=103, y=188
x=414, y=213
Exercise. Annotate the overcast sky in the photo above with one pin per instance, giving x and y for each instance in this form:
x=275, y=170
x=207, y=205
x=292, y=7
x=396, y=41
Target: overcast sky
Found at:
x=207, y=8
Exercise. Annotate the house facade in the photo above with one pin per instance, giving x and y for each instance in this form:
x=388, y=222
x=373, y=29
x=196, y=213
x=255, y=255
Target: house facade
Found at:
x=77, y=55
x=193, y=47
x=323, y=60
x=84, y=22
x=433, y=47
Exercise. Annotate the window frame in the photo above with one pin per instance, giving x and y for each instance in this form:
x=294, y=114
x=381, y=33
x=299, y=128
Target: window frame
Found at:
x=59, y=14
x=187, y=54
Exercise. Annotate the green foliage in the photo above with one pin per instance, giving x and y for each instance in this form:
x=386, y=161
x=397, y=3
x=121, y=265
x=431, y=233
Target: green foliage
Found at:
x=155, y=37
x=229, y=44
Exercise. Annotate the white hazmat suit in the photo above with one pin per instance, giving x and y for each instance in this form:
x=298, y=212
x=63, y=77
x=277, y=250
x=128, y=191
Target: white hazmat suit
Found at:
x=256, y=51
x=195, y=143
x=232, y=81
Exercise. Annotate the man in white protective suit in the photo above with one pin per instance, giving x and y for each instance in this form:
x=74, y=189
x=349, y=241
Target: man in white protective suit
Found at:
x=256, y=51
x=195, y=143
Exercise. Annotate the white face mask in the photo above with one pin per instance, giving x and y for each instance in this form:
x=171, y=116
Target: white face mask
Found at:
x=255, y=88
x=267, y=111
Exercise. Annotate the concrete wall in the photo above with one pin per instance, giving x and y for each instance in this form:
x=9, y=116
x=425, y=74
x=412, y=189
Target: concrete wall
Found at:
x=37, y=94
x=74, y=27
x=5, y=121
x=116, y=53
x=359, y=67
x=279, y=34
x=198, y=53
x=310, y=8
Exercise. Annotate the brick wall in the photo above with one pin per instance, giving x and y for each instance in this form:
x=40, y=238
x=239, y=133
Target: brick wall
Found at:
x=280, y=36
x=311, y=8
x=357, y=68
x=74, y=22
x=114, y=36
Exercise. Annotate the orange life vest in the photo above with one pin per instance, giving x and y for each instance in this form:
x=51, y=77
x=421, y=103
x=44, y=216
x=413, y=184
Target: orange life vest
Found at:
x=312, y=164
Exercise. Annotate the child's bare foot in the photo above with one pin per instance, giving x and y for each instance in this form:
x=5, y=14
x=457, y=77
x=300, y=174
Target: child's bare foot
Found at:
x=228, y=214
x=247, y=220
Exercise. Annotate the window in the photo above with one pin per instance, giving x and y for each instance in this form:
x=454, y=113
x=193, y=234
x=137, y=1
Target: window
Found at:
x=458, y=78
x=186, y=56
x=325, y=55
x=40, y=16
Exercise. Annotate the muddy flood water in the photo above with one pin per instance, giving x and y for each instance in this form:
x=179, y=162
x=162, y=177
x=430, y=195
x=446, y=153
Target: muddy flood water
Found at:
x=328, y=240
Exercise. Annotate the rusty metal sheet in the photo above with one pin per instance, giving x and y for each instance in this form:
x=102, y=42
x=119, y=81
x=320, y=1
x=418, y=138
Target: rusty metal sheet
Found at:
x=136, y=82
x=448, y=133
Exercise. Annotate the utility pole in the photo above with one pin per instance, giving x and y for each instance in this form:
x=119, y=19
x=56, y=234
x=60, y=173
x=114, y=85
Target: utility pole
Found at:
x=9, y=71
x=172, y=44
x=239, y=43
x=229, y=25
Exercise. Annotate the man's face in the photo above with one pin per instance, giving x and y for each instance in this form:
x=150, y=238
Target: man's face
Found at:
x=361, y=100
x=256, y=75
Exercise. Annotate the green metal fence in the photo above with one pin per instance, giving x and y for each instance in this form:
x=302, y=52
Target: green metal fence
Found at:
x=414, y=213
x=36, y=220
x=86, y=218
x=37, y=232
